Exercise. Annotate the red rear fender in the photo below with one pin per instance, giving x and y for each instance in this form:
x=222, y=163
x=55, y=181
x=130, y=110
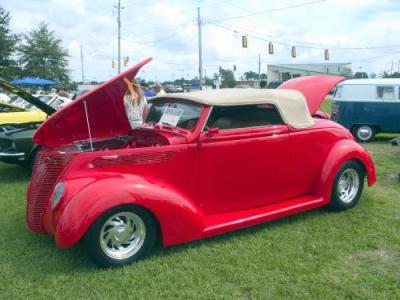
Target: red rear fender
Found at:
x=342, y=151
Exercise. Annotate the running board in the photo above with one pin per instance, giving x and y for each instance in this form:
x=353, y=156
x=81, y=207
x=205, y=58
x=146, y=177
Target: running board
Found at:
x=221, y=223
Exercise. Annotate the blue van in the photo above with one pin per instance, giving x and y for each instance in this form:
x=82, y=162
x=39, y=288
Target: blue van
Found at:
x=368, y=106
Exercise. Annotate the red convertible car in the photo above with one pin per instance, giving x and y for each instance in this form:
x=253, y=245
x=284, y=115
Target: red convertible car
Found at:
x=204, y=163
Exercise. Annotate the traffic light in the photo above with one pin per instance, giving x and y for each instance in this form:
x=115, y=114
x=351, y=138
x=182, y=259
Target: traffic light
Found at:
x=234, y=68
x=326, y=54
x=113, y=64
x=270, y=48
x=126, y=60
x=294, y=52
x=244, y=41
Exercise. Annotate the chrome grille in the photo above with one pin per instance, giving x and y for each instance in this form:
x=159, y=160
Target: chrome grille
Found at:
x=132, y=159
x=47, y=168
x=5, y=143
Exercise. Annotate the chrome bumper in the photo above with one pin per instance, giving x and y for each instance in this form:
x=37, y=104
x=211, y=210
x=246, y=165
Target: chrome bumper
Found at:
x=12, y=154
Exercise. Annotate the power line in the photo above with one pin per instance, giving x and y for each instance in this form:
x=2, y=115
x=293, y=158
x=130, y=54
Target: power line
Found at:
x=265, y=11
x=310, y=46
x=213, y=4
x=192, y=9
x=376, y=57
x=263, y=39
x=157, y=40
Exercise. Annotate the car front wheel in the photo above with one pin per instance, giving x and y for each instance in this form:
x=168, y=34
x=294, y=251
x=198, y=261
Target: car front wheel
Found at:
x=121, y=236
x=364, y=133
x=347, y=186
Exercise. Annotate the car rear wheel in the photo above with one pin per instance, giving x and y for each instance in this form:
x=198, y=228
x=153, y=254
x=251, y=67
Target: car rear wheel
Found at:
x=347, y=186
x=364, y=133
x=32, y=158
x=121, y=236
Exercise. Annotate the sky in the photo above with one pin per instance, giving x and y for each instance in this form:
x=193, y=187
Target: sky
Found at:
x=363, y=32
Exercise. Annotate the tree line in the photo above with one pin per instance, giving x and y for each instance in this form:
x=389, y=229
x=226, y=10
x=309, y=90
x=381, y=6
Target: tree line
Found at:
x=38, y=53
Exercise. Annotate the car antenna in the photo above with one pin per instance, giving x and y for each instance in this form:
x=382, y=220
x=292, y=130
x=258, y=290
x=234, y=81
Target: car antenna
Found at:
x=88, y=126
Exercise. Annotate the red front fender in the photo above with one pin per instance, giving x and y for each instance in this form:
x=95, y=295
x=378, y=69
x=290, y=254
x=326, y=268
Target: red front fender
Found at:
x=342, y=151
x=179, y=219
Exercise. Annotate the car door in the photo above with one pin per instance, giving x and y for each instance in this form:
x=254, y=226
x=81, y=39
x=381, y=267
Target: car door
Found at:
x=244, y=159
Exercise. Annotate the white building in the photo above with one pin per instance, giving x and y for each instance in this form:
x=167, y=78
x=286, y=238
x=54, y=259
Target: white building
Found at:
x=85, y=86
x=285, y=72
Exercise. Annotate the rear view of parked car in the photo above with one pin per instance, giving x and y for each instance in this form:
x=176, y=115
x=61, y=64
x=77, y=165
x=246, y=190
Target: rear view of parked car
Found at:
x=367, y=107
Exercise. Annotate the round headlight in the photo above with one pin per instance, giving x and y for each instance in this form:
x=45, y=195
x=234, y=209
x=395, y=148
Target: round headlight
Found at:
x=57, y=194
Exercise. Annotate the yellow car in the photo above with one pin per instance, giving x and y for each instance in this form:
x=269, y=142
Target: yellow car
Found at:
x=13, y=116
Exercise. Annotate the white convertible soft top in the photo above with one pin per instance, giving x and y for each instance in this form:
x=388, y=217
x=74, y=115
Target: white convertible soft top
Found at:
x=290, y=103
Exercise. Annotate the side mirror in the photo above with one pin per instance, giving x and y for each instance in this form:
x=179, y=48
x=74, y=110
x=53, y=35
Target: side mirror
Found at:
x=212, y=130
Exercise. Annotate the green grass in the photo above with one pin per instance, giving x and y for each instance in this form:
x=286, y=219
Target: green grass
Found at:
x=326, y=105
x=318, y=254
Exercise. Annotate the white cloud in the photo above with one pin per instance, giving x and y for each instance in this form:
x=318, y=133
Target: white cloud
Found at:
x=167, y=31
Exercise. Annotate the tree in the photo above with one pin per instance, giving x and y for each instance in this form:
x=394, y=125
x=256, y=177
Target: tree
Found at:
x=391, y=75
x=8, y=66
x=250, y=75
x=42, y=55
x=228, y=78
x=360, y=75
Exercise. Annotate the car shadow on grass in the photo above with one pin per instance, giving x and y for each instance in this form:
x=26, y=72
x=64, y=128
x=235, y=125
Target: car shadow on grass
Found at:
x=13, y=173
x=162, y=251
x=46, y=258
x=384, y=138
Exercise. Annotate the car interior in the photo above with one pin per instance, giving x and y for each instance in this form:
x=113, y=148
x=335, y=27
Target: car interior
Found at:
x=243, y=116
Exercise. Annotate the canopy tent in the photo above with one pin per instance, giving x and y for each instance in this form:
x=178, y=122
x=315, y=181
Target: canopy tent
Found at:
x=26, y=81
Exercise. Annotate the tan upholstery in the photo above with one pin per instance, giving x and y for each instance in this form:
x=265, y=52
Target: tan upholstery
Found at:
x=290, y=103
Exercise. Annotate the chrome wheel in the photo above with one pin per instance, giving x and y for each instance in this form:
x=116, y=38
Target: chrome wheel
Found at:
x=365, y=133
x=348, y=185
x=122, y=235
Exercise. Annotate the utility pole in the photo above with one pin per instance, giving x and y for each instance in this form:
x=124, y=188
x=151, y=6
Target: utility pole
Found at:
x=119, y=35
x=391, y=69
x=259, y=68
x=83, y=74
x=200, y=50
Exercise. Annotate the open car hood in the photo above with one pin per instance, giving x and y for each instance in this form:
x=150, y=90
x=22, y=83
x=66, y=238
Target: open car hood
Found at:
x=27, y=97
x=105, y=116
x=314, y=88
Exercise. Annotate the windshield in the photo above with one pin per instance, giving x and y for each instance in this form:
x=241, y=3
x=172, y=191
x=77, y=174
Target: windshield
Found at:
x=51, y=100
x=45, y=98
x=173, y=113
x=54, y=101
x=22, y=103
